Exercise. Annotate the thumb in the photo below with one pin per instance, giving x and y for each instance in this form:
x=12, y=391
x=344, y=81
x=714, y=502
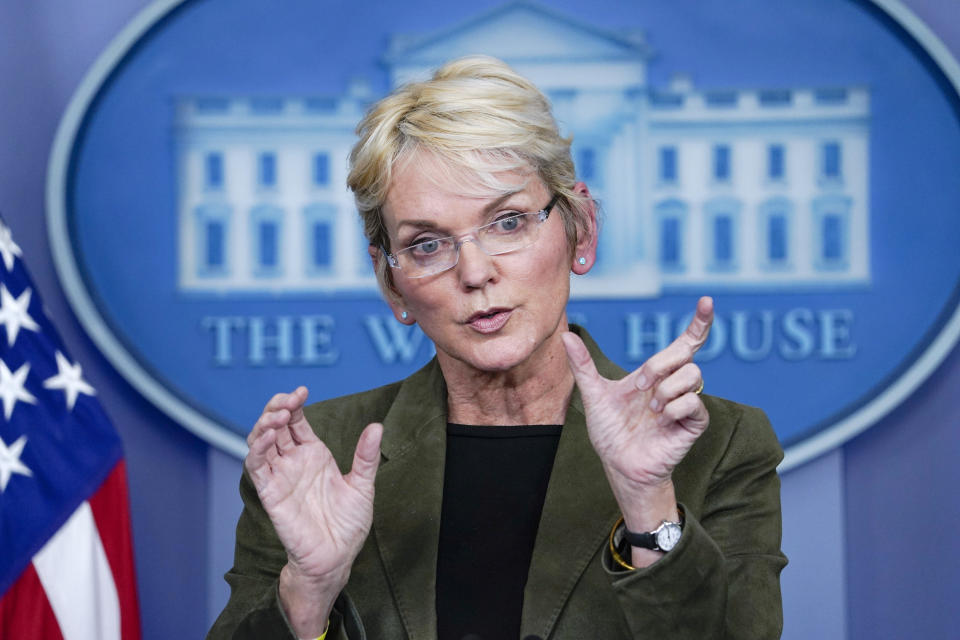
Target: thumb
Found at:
x=366, y=458
x=584, y=371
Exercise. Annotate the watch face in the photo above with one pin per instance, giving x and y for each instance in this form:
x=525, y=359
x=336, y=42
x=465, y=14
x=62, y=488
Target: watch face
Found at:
x=668, y=536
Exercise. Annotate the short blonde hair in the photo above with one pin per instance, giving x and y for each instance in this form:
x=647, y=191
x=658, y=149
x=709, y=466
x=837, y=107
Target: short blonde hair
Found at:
x=475, y=114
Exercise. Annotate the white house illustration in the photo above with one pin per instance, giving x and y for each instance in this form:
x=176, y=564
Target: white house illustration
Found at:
x=761, y=188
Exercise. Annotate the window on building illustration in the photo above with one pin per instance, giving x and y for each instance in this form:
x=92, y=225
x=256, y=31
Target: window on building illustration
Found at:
x=671, y=228
x=561, y=94
x=777, y=238
x=267, y=169
x=831, y=230
x=214, y=245
x=832, y=239
x=320, y=225
x=775, y=98
x=832, y=160
x=830, y=96
x=722, y=240
x=212, y=105
x=321, y=169
x=721, y=99
x=776, y=164
x=666, y=100
x=587, y=164
x=321, y=256
x=721, y=162
x=775, y=222
x=671, y=255
x=213, y=170
x=265, y=106
x=668, y=164
x=323, y=104
x=268, y=239
x=721, y=217
x=211, y=247
x=363, y=246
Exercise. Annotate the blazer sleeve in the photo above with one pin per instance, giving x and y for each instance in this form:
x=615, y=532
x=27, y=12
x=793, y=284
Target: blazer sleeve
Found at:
x=722, y=580
x=253, y=611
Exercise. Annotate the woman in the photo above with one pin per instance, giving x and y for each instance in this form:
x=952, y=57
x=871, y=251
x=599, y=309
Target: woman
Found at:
x=519, y=485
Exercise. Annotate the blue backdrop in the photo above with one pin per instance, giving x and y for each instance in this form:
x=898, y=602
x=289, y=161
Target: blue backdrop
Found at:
x=847, y=515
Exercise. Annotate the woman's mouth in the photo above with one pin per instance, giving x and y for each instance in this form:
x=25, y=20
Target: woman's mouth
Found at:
x=489, y=321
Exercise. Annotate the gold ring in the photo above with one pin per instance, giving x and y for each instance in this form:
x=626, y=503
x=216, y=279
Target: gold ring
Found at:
x=699, y=389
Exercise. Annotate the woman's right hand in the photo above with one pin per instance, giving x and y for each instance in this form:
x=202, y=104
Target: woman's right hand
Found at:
x=321, y=516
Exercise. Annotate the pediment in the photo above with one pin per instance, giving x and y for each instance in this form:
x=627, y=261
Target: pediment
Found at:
x=518, y=32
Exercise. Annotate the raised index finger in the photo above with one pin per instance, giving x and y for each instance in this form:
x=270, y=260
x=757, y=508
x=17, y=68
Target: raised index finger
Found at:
x=680, y=351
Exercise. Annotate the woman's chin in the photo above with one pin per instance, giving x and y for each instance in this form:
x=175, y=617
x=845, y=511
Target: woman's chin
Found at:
x=496, y=363
x=499, y=355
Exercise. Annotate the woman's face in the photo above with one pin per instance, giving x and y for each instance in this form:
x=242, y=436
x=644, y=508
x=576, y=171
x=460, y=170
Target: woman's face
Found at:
x=487, y=313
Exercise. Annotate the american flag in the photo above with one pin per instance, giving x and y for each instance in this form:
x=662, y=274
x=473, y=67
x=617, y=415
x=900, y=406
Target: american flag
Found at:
x=66, y=557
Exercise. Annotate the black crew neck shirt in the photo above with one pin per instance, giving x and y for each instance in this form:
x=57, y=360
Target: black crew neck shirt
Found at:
x=494, y=484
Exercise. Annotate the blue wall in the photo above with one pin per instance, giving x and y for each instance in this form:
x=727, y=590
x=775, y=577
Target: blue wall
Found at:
x=869, y=527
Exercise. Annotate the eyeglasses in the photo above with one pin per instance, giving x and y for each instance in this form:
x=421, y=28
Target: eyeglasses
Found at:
x=429, y=256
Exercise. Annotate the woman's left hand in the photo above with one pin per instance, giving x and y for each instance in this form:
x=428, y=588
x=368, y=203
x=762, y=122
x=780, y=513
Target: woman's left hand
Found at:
x=644, y=424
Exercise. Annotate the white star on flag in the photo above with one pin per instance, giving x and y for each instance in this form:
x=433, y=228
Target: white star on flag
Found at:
x=10, y=461
x=70, y=379
x=9, y=249
x=11, y=387
x=14, y=314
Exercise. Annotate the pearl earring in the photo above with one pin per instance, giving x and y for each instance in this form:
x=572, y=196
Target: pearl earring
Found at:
x=403, y=314
x=582, y=260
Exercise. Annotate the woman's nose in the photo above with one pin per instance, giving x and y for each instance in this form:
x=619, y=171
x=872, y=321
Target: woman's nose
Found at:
x=474, y=267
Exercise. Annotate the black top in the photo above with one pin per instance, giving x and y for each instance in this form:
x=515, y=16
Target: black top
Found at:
x=494, y=484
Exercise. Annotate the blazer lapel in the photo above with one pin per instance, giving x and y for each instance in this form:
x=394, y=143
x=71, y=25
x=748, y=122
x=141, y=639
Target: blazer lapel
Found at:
x=409, y=487
x=578, y=513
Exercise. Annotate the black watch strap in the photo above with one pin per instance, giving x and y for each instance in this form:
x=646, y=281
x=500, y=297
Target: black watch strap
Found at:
x=643, y=540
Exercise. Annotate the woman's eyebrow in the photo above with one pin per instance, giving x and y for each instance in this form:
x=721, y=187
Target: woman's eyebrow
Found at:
x=496, y=204
x=418, y=224
x=487, y=209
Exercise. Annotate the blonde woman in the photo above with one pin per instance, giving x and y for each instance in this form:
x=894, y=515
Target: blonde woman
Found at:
x=520, y=485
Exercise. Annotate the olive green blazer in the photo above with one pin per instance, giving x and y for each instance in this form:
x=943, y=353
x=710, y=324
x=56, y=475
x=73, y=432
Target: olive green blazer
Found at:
x=721, y=581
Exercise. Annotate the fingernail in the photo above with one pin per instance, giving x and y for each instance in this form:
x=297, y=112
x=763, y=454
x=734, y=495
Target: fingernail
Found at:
x=654, y=405
x=642, y=382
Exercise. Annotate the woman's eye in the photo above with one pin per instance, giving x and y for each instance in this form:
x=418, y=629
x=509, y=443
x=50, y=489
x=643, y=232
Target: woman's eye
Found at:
x=511, y=223
x=425, y=246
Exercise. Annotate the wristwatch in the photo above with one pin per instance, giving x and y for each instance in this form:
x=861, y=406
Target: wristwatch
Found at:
x=663, y=538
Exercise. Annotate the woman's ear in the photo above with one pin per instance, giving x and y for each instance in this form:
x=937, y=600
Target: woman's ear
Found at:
x=585, y=254
x=402, y=315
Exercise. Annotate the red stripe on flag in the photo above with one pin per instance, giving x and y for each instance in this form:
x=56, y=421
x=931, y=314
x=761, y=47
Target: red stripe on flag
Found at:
x=25, y=611
x=111, y=511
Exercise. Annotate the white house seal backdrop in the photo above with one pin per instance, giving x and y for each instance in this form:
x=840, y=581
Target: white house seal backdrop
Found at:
x=793, y=160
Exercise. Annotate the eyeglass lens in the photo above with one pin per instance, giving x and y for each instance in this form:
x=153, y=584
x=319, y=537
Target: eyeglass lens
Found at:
x=501, y=236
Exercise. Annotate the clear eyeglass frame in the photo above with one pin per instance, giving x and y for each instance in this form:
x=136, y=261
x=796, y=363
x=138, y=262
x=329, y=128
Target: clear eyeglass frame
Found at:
x=448, y=253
